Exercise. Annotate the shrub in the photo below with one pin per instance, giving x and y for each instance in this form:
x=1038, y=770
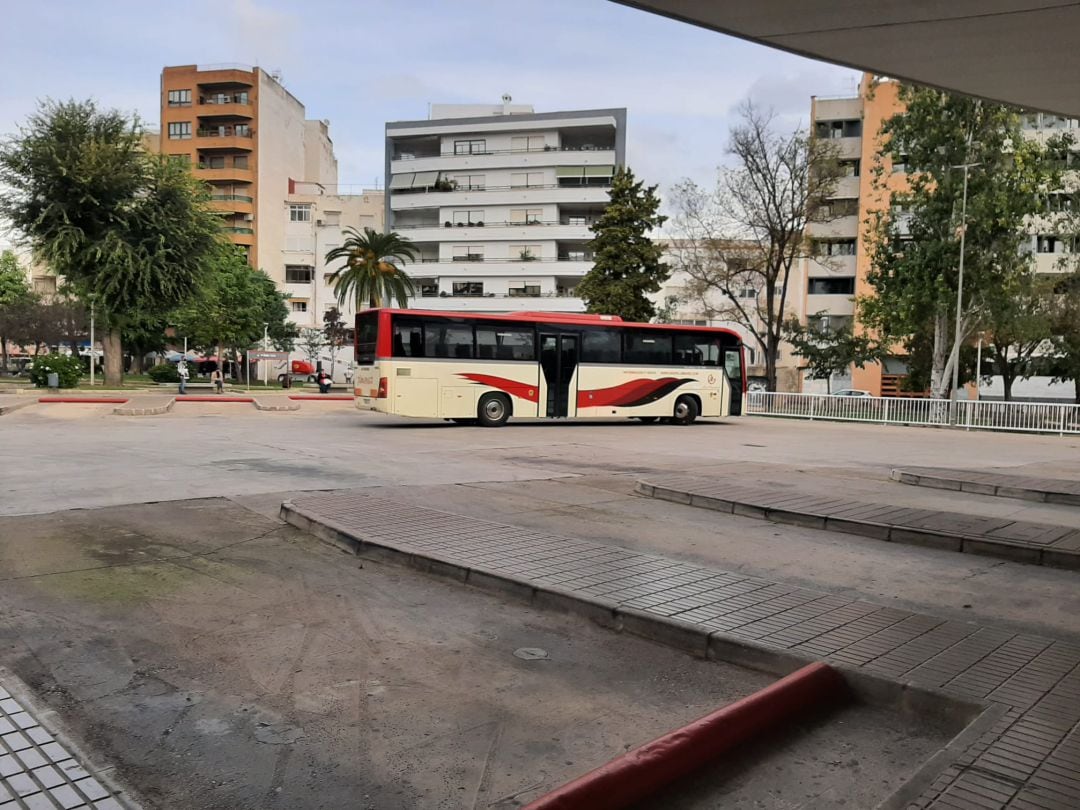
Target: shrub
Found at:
x=68, y=368
x=164, y=373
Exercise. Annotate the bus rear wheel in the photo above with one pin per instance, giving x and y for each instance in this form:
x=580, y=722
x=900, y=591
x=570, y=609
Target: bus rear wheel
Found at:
x=686, y=411
x=493, y=411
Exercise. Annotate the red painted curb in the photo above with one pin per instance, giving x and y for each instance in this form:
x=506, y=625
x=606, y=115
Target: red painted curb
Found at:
x=86, y=400
x=632, y=777
x=212, y=398
x=313, y=397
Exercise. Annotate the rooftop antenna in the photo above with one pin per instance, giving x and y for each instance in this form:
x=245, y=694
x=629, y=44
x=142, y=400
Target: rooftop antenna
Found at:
x=506, y=99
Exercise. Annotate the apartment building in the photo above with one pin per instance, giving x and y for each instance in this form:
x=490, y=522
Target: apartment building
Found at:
x=272, y=172
x=675, y=301
x=499, y=200
x=838, y=272
x=314, y=221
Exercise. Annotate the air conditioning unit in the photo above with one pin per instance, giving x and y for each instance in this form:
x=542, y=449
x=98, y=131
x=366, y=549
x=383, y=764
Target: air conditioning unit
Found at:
x=249, y=217
x=318, y=222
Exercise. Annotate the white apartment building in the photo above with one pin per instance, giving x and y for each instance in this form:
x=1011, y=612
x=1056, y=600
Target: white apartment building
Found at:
x=313, y=223
x=499, y=200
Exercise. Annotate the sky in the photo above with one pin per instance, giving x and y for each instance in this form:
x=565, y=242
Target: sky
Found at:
x=360, y=63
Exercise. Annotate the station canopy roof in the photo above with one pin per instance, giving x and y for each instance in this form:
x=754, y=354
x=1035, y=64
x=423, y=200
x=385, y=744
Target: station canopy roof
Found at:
x=1021, y=52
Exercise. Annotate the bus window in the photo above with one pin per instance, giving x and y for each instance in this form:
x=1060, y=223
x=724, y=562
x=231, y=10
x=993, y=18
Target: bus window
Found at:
x=448, y=340
x=505, y=343
x=408, y=338
x=367, y=325
x=647, y=347
x=601, y=347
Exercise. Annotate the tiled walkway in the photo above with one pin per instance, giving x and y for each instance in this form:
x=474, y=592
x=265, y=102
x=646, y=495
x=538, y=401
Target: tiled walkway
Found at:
x=37, y=772
x=1019, y=540
x=1024, y=487
x=1030, y=760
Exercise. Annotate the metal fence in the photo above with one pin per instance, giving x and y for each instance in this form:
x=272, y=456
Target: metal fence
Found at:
x=1028, y=417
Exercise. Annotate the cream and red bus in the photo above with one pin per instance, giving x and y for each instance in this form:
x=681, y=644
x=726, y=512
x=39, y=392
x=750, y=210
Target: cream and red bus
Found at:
x=472, y=368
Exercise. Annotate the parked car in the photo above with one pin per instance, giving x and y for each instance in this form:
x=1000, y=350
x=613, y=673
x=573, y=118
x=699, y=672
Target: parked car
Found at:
x=851, y=392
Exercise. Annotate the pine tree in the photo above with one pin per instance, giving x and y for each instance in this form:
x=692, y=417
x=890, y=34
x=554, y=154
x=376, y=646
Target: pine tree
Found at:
x=627, y=264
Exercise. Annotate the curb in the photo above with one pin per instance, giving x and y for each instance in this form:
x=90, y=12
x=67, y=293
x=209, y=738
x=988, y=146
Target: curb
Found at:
x=628, y=779
x=52, y=722
x=211, y=398
x=262, y=406
x=84, y=400
x=958, y=484
x=972, y=718
x=149, y=410
x=6, y=409
x=1029, y=553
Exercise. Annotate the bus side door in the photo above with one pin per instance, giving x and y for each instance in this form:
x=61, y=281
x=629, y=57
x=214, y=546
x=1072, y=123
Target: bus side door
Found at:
x=558, y=378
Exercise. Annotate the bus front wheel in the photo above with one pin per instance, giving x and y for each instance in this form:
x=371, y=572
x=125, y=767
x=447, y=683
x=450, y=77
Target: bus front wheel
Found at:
x=494, y=410
x=686, y=411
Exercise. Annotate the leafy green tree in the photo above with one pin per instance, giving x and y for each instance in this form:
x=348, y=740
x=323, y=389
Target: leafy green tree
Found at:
x=1018, y=323
x=1065, y=318
x=144, y=332
x=829, y=351
x=336, y=330
x=14, y=292
x=231, y=310
x=738, y=243
x=125, y=227
x=372, y=271
x=914, y=243
x=627, y=264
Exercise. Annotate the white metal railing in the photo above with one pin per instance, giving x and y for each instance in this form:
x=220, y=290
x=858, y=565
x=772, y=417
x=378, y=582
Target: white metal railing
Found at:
x=1028, y=417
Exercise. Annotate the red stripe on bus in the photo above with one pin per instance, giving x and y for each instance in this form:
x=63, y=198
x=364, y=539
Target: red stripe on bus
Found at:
x=513, y=387
x=635, y=392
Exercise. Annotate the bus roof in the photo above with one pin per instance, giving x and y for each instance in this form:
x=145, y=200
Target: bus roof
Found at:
x=579, y=318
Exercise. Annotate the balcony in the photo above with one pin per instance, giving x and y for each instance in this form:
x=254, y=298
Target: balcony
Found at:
x=502, y=267
x=505, y=159
x=225, y=137
x=492, y=302
x=499, y=195
x=226, y=174
x=830, y=304
x=841, y=227
x=235, y=203
x=502, y=231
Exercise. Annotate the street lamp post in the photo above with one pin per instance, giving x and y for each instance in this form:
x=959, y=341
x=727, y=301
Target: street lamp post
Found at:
x=266, y=347
x=92, y=352
x=960, y=282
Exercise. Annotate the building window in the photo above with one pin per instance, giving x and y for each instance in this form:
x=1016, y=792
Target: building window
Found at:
x=299, y=212
x=840, y=208
x=467, y=253
x=835, y=247
x=298, y=274
x=526, y=179
x=849, y=168
x=574, y=256
x=45, y=285
x=527, y=143
x=1049, y=244
x=469, y=288
x=470, y=147
x=526, y=216
x=429, y=288
x=331, y=218
x=240, y=162
x=576, y=220
x=298, y=306
x=212, y=162
x=747, y=292
x=831, y=286
x=839, y=129
x=179, y=98
x=185, y=159
x=180, y=131
x=525, y=289
x=470, y=217
x=468, y=182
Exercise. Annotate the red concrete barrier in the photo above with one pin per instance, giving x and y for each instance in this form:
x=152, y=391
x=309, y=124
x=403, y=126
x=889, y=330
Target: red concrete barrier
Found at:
x=213, y=398
x=342, y=397
x=86, y=400
x=637, y=774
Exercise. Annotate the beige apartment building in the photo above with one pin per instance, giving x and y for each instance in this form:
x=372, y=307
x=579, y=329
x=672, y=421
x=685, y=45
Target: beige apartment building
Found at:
x=272, y=173
x=831, y=282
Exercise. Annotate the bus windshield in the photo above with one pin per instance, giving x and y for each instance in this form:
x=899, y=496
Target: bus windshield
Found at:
x=367, y=333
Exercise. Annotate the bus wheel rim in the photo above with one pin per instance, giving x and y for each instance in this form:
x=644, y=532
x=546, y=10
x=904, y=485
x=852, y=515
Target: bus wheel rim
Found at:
x=682, y=410
x=493, y=408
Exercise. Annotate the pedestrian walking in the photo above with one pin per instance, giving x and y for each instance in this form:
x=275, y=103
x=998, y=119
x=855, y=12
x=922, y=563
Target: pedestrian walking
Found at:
x=218, y=380
x=182, y=370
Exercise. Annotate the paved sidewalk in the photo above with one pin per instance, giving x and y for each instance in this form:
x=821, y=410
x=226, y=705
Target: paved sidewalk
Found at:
x=10, y=403
x=1019, y=540
x=1023, y=487
x=1029, y=760
x=37, y=772
x=150, y=405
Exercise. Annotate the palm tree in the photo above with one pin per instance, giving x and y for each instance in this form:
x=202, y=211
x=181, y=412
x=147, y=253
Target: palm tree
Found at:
x=371, y=272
